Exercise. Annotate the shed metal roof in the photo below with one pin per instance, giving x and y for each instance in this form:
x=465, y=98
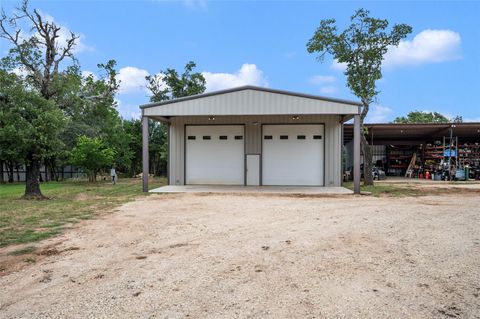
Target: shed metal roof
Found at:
x=412, y=134
x=251, y=100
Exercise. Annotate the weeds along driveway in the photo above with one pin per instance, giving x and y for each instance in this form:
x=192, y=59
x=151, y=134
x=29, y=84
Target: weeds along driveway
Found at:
x=224, y=256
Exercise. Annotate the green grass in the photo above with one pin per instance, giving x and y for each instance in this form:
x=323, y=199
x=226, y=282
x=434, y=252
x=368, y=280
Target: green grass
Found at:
x=23, y=251
x=385, y=190
x=30, y=260
x=25, y=221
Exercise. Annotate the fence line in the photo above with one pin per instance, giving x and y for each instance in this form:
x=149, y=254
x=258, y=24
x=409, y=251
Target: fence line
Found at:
x=19, y=173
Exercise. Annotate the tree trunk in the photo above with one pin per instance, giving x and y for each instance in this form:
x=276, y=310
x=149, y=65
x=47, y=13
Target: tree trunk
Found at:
x=32, y=183
x=366, y=150
x=92, y=176
x=154, y=167
x=10, y=172
x=53, y=171
x=367, y=161
x=2, y=178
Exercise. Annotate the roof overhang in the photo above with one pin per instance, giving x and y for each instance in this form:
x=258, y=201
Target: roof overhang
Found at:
x=251, y=100
x=412, y=134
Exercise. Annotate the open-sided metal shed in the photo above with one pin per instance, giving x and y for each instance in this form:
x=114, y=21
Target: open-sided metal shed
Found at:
x=252, y=136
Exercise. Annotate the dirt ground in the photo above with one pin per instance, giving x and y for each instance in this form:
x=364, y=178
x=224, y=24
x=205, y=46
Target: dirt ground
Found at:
x=252, y=256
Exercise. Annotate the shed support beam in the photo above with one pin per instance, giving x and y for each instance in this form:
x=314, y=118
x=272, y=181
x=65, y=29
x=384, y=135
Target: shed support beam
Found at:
x=356, y=154
x=145, y=159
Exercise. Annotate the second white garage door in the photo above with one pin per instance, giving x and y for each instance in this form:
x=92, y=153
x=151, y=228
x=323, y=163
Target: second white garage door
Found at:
x=215, y=155
x=293, y=155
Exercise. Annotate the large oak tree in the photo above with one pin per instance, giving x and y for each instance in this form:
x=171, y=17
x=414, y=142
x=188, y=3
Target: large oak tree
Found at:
x=39, y=52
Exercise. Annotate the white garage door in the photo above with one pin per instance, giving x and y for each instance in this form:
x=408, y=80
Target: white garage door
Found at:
x=293, y=155
x=215, y=155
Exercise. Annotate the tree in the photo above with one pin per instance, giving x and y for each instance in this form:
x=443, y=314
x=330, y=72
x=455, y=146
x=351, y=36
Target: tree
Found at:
x=158, y=147
x=10, y=134
x=164, y=86
x=40, y=54
x=93, y=155
x=29, y=128
x=133, y=128
x=421, y=117
x=457, y=119
x=90, y=107
x=362, y=47
x=169, y=84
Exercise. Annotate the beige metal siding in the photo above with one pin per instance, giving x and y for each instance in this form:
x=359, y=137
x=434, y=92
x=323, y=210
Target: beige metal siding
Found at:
x=253, y=140
x=250, y=102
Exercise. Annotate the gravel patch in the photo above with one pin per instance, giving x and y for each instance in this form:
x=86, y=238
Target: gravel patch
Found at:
x=232, y=256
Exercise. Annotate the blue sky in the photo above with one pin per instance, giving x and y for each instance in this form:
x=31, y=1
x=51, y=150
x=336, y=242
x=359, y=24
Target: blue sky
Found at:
x=263, y=43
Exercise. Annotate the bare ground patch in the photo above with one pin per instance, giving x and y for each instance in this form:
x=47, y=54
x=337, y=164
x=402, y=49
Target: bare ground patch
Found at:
x=188, y=255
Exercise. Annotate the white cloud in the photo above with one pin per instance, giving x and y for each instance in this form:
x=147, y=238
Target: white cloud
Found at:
x=64, y=34
x=429, y=46
x=249, y=74
x=81, y=46
x=378, y=114
x=128, y=111
x=87, y=73
x=21, y=72
x=325, y=82
x=322, y=79
x=132, y=79
x=337, y=66
x=329, y=89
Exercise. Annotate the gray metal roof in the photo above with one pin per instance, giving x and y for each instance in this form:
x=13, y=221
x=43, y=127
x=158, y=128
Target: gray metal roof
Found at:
x=255, y=88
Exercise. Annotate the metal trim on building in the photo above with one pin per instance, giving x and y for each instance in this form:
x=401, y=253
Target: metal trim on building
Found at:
x=255, y=88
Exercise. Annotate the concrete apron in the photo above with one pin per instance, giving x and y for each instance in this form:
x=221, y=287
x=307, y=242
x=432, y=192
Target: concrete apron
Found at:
x=310, y=190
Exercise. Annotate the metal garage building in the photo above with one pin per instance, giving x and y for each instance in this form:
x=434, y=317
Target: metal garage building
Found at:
x=252, y=136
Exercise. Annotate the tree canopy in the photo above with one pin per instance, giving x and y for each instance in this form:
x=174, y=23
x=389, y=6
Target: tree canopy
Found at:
x=361, y=47
x=93, y=155
x=168, y=84
x=29, y=125
x=38, y=52
x=422, y=117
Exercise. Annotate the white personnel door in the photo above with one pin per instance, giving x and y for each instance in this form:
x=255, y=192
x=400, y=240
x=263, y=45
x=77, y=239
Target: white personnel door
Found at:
x=253, y=169
x=215, y=155
x=293, y=155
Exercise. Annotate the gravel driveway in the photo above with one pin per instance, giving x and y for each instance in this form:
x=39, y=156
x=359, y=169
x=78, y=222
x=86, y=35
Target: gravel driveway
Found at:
x=247, y=256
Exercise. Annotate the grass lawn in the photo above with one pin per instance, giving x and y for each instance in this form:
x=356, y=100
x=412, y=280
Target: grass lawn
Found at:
x=385, y=189
x=24, y=221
